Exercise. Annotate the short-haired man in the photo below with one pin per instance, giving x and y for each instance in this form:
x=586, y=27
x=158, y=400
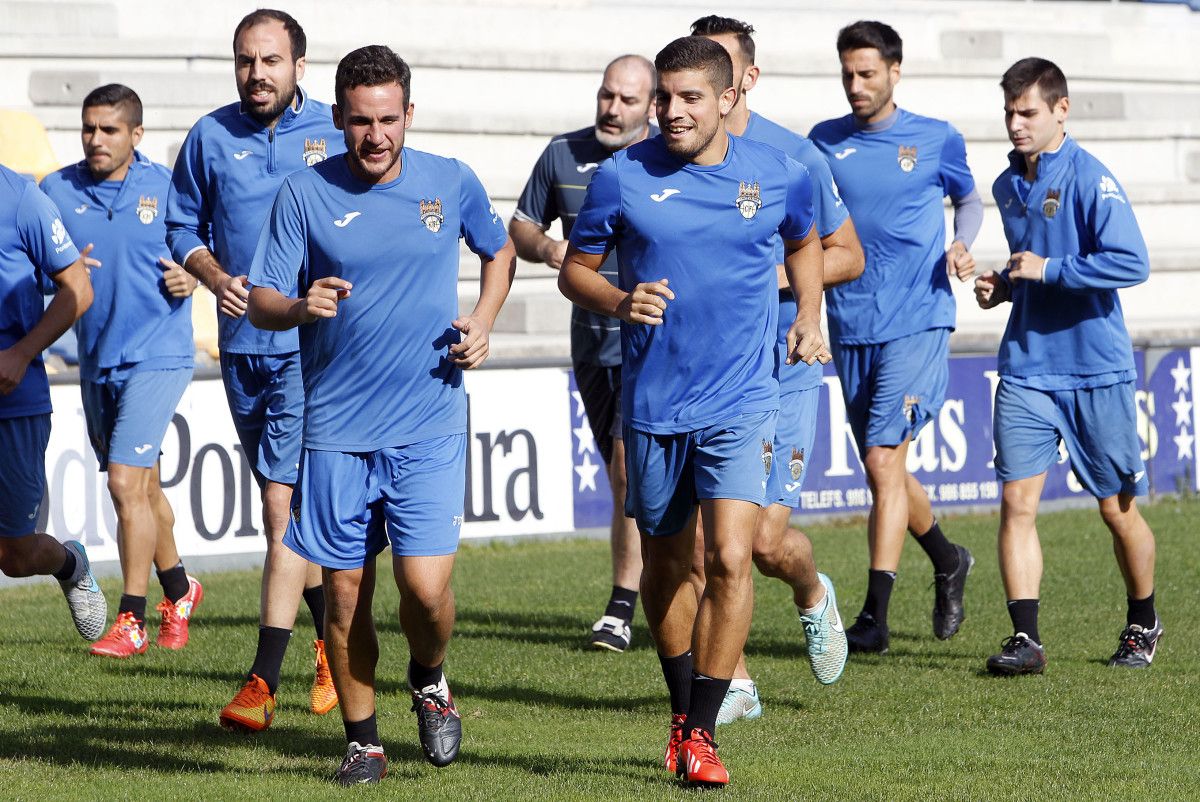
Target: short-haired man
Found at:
x=135, y=355
x=890, y=328
x=693, y=215
x=231, y=166
x=780, y=551
x=374, y=238
x=555, y=190
x=1066, y=362
x=35, y=244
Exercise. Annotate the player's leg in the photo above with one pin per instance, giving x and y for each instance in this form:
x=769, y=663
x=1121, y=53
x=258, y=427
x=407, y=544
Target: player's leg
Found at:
x=353, y=652
x=1133, y=544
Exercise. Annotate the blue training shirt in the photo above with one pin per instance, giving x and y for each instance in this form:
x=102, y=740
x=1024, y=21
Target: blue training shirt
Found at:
x=132, y=319
x=1068, y=331
x=378, y=375
x=893, y=177
x=710, y=231
x=33, y=243
x=830, y=214
x=226, y=177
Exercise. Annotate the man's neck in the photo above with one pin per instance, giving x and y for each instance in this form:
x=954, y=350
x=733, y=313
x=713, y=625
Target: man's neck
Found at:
x=1031, y=160
x=716, y=151
x=117, y=174
x=738, y=119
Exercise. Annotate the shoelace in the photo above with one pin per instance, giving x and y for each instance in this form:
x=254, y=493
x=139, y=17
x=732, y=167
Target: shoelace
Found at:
x=1012, y=643
x=359, y=755
x=709, y=754
x=812, y=631
x=170, y=615
x=1133, y=642
x=432, y=708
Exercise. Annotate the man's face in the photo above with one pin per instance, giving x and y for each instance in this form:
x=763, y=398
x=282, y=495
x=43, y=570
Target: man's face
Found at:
x=690, y=111
x=266, y=73
x=1033, y=126
x=745, y=74
x=622, y=105
x=374, y=119
x=868, y=81
x=108, y=140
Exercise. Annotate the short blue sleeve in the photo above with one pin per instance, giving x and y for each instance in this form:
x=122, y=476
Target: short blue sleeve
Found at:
x=538, y=201
x=598, y=220
x=482, y=228
x=953, y=171
x=798, y=215
x=42, y=232
x=827, y=201
x=280, y=255
x=188, y=215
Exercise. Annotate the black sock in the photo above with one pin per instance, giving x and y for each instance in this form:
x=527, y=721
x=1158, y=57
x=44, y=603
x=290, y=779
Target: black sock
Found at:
x=68, y=566
x=879, y=594
x=314, y=597
x=174, y=583
x=364, y=732
x=268, y=660
x=1142, y=613
x=420, y=676
x=707, y=695
x=677, y=671
x=942, y=552
x=622, y=603
x=1024, y=615
x=133, y=604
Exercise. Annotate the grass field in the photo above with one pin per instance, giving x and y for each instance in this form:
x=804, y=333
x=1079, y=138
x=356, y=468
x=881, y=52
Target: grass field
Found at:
x=545, y=719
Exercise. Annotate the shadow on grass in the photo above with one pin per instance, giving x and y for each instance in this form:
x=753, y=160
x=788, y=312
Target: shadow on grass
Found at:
x=526, y=695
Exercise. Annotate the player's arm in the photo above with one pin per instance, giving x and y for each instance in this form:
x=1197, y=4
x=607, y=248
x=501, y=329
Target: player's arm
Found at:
x=580, y=281
x=959, y=185
x=842, y=255
x=992, y=289
x=1116, y=255
x=270, y=309
x=495, y=280
x=533, y=245
x=536, y=209
x=803, y=263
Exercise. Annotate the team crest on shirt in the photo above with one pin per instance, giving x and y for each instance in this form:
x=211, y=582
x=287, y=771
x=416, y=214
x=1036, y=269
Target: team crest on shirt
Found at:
x=768, y=454
x=749, y=199
x=910, y=408
x=147, y=209
x=1050, y=204
x=314, y=151
x=796, y=466
x=431, y=214
x=907, y=158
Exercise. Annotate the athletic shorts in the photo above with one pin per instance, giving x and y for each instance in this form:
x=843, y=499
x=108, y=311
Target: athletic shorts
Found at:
x=893, y=389
x=266, y=399
x=23, y=443
x=127, y=416
x=795, y=432
x=600, y=389
x=1097, y=425
x=346, y=507
x=669, y=473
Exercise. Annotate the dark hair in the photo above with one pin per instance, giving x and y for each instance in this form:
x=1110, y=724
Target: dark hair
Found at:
x=871, y=34
x=1028, y=72
x=712, y=25
x=373, y=65
x=697, y=53
x=117, y=95
x=295, y=33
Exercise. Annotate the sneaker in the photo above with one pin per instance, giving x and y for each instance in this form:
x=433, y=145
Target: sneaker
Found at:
x=126, y=638
x=739, y=703
x=867, y=635
x=173, y=632
x=439, y=726
x=89, y=610
x=948, y=596
x=252, y=709
x=1137, y=646
x=364, y=764
x=825, y=638
x=673, y=741
x=698, y=762
x=1018, y=655
x=323, y=696
x=610, y=633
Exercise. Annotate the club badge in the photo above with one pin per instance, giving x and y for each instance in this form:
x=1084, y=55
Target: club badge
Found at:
x=314, y=151
x=796, y=466
x=1050, y=204
x=147, y=209
x=431, y=214
x=749, y=199
x=768, y=454
x=907, y=158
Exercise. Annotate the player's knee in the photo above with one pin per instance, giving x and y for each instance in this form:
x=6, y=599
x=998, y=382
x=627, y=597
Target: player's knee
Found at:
x=1019, y=502
x=1119, y=513
x=16, y=556
x=128, y=486
x=729, y=561
x=883, y=466
x=277, y=501
x=432, y=599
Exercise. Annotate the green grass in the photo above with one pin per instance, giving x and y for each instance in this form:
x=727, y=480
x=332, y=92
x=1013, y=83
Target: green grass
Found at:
x=545, y=719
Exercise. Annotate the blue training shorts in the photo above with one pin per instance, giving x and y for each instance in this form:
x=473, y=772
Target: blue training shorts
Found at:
x=128, y=415
x=893, y=389
x=266, y=399
x=669, y=473
x=347, y=505
x=795, y=432
x=1098, y=426
x=23, y=443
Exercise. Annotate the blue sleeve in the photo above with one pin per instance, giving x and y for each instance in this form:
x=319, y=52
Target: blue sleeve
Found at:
x=43, y=236
x=798, y=214
x=596, y=226
x=280, y=255
x=828, y=207
x=1116, y=253
x=188, y=214
x=538, y=203
x=953, y=171
x=481, y=227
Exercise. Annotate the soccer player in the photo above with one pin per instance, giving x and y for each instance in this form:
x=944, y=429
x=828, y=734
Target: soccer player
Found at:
x=231, y=166
x=780, y=551
x=1066, y=363
x=34, y=244
x=374, y=238
x=693, y=216
x=890, y=328
x=135, y=355
x=555, y=190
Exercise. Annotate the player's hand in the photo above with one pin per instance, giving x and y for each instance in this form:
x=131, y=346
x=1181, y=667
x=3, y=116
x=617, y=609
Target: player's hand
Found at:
x=646, y=303
x=959, y=261
x=991, y=290
x=232, y=295
x=12, y=370
x=1026, y=266
x=324, y=296
x=806, y=344
x=180, y=283
x=475, y=345
x=88, y=261
x=554, y=252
